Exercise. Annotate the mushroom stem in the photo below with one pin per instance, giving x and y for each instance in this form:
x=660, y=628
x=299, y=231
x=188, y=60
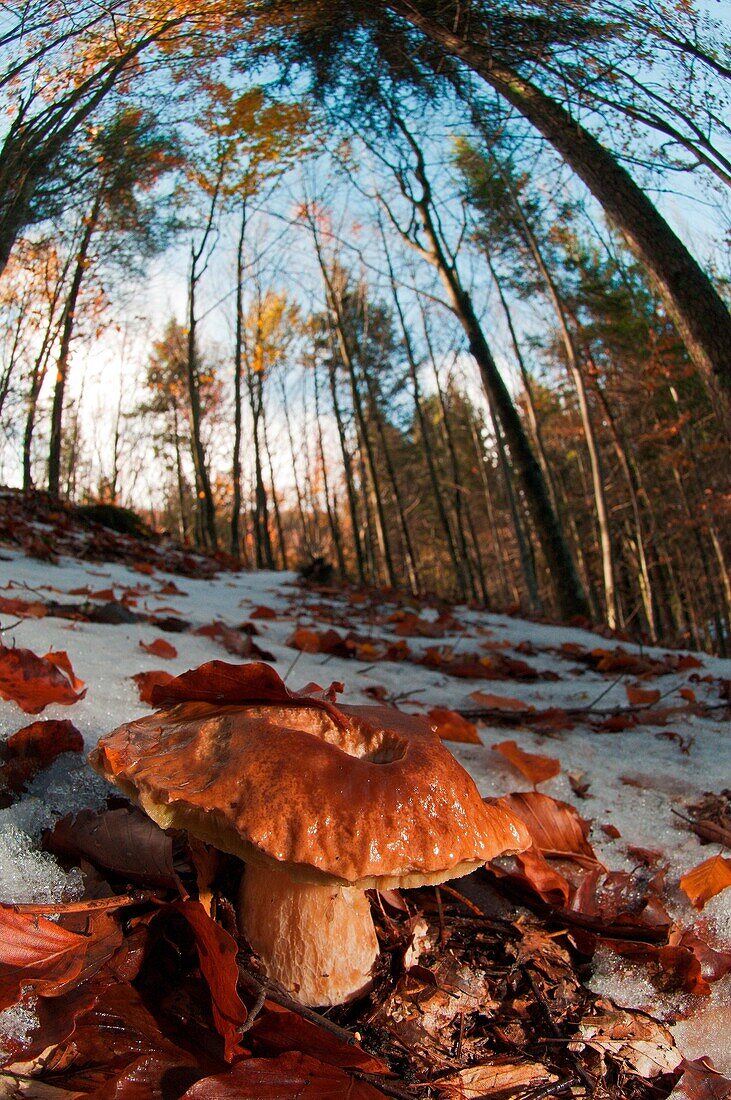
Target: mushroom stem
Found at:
x=318, y=942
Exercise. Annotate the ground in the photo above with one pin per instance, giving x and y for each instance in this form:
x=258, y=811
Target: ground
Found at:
x=630, y=782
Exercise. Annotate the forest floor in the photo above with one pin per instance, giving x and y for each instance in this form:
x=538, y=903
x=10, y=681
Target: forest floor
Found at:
x=583, y=970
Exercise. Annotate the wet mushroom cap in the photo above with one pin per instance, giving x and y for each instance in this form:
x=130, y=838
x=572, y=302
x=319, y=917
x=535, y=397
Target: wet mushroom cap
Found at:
x=362, y=796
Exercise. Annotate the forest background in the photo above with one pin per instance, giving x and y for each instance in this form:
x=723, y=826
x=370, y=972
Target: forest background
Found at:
x=436, y=291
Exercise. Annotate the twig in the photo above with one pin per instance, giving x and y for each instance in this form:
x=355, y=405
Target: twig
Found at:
x=377, y=1080
x=606, y=691
x=273, y=993
x=546, y=1091
x=254, y=1011
x=546, y=1013
x=294, y=662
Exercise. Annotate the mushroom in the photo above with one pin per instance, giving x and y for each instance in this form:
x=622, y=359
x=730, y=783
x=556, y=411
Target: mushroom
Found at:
x=320, y=802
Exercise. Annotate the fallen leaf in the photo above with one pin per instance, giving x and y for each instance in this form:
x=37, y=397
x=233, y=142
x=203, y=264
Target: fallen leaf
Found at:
x=556, y=827
x=701, y=1081
x=23, y=609
x=643, y=1046
x=35, y=747
x=262, y=612
x=453, y=727
x=500, y=702
x=501, y=1079
x=706, y=880
x=291, y=1076
x=217, y=951
x=33, y=682
x=123, y=841
x=638, y=696
x=535, y=767
x=46, y=957
x=146, y=681
x=160, y=648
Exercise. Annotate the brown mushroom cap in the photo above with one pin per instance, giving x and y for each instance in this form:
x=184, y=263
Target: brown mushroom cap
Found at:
x=362, y=796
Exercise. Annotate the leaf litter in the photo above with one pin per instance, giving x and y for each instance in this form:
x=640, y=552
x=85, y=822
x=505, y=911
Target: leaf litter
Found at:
x=134, y=987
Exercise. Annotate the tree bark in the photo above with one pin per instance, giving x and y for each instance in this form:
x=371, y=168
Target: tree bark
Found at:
x=238, y=366
x=696, y=308
x=62, y=363
x=570, y=599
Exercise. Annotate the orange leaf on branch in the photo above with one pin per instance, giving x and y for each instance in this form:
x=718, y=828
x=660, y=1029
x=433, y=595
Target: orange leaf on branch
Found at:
x=706, y=880
x=34, y=682
x=535, y=767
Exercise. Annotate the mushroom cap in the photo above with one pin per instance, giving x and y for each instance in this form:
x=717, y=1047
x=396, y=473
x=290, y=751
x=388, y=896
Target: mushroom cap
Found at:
x=361, y=796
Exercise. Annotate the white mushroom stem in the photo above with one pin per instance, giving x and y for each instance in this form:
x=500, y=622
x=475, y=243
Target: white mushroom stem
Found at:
x=318, y=942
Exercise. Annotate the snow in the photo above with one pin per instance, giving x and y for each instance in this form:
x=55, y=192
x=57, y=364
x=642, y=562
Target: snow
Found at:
x=636, y=778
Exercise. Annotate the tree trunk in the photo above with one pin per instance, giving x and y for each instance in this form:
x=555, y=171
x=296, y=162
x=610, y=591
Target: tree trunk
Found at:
x=206, y=506
x=62, y=363
x=275, y=506
x=577, y=375
x=426, y=443
x=238, y=365
x=697, y=309
x=348, y=471
x=569, y=596
x=332, y=516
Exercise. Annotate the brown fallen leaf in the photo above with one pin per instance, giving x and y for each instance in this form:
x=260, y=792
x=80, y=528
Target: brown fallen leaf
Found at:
x=535, y=767
x=701, y=1081
x=500, y=702
x=160, y=648
x=640, y=1044
x=294, y=1075
x=124, y=841
x=217, y=952
x=34, y=747
x=33, y=682
x=639, y=697
x=706, y=880
x=146, y=681
x=47, y=958
x=500, y=1078
x=453, y=727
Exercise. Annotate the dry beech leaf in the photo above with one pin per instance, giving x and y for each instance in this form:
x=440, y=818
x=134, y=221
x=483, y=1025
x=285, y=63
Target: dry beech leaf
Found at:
x=41, y=954
x=643, y=1046
x=277, y=1031
x=35, y=747
x=500, y=702
x=160, y=648
x=234, y=641
x=453, y=727
x=292, y=1075
x=217, y=952
x=263, y=612
x=33, y=682
x=706, y=880
x=500, y=1079
x=638, y=696
x=23, y=609
x=146, y=681
x=123, y=841
x=701, y=1081
x=535, y=767
x=556, y=827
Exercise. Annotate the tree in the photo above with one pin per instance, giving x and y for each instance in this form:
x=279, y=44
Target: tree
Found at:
x=427, y=43
x=129, y=157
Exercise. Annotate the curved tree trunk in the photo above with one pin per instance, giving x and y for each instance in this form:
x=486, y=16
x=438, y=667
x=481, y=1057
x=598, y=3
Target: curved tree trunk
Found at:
x=696, y=308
